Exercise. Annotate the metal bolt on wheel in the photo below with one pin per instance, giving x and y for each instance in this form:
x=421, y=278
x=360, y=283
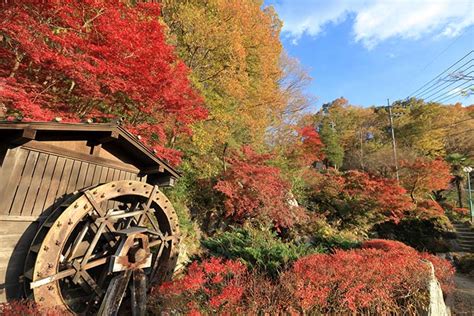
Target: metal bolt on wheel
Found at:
x=101, y=250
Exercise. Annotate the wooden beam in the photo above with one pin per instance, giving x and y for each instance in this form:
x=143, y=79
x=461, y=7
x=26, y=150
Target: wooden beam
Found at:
x=153, y=170
x=112, y=136
x=26, y=135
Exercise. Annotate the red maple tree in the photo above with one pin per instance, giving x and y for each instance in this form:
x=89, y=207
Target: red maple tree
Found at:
x=310, y=148
x=253, y=189
x=423, y=175
x=357, y=197
x=95, y=59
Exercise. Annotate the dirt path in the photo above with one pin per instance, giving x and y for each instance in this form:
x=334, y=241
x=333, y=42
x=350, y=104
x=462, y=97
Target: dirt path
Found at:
x=463, y=297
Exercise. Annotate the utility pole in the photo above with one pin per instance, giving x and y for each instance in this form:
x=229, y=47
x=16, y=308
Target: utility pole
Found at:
x=468, y=170
x=394, y=144
x=362, y=165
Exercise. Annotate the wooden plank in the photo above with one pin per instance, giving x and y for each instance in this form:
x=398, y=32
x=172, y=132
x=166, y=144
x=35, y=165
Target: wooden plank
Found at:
x=71, y=186
x=10, y=223
x=122, y=175
x=103, y=175
x=25, y=182
x=76, y=155
x=45, y=185
x=90, y=175
x=10, y=175
x=97, y=173
x=110, y=175
x=82, y=175
x=35, y=184
x=116, y=175
x=66, y=174
x=54, y=185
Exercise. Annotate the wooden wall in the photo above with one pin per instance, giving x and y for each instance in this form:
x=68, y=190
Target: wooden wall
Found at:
x=32, y=183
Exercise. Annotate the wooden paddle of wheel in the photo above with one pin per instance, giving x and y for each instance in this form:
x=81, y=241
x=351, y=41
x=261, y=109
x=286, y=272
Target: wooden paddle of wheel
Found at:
x=100, y=251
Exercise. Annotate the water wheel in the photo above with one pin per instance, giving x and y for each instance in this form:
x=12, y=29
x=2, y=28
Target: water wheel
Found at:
x=102, y=249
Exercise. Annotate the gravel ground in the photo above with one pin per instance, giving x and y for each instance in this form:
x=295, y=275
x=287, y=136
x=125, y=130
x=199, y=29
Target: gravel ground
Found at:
x=462, y=300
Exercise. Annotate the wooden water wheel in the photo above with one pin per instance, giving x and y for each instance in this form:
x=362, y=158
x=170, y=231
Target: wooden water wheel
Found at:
x=102, y=249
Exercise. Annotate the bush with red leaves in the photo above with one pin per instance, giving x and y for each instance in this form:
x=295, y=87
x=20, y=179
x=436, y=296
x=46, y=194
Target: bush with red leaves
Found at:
x=214, y=285
x=444, y=270
x=255, y=190
x=383, y=277
x=16, y=308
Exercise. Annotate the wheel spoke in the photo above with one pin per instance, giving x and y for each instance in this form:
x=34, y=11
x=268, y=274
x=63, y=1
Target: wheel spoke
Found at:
x=66, y=273
x=78, y=242
x=86, y=257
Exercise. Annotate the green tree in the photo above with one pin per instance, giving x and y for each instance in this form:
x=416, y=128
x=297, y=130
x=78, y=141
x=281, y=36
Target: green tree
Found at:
x=332, y=149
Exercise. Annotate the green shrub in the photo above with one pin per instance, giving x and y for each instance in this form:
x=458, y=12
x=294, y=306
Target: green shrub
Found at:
x=423, y=234
x=261, y=250
x=317, y=231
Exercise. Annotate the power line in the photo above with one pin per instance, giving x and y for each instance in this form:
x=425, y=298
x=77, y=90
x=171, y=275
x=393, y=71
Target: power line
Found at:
x=429, y=82
x=453, y=92
x=443, y=80
x=437, y=94
x=454, y=41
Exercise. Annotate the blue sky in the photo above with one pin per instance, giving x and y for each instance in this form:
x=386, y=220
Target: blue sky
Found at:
x=371, y=50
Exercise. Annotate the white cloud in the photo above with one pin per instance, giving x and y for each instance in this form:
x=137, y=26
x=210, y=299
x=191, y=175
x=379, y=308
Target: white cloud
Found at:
x=377, y=20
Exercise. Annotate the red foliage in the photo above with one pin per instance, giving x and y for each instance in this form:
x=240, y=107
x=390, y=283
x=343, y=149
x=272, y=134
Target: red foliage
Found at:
x=255, y=190
x=309, y=150
x=422, y=175
x=444, y=270
x=213, y=283
x=95, y=59
x=16, y=308
x=461, y=210
x=428, y=209
x=364, y=195
x=386, y=245
x=386, y=279
x=389, y=197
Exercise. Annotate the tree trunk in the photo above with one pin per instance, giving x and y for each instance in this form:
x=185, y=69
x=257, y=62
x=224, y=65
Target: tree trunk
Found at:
x=459, y=188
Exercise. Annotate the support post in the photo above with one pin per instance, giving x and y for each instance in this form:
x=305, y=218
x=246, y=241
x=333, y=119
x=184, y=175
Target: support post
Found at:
x=394, y=144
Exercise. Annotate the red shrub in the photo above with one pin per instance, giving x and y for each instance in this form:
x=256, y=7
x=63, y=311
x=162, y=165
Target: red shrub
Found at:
x=386, y=245
x=16, y=308
x=213, y=285
x=254, y=189
x=383, y=277
x=444, y=270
